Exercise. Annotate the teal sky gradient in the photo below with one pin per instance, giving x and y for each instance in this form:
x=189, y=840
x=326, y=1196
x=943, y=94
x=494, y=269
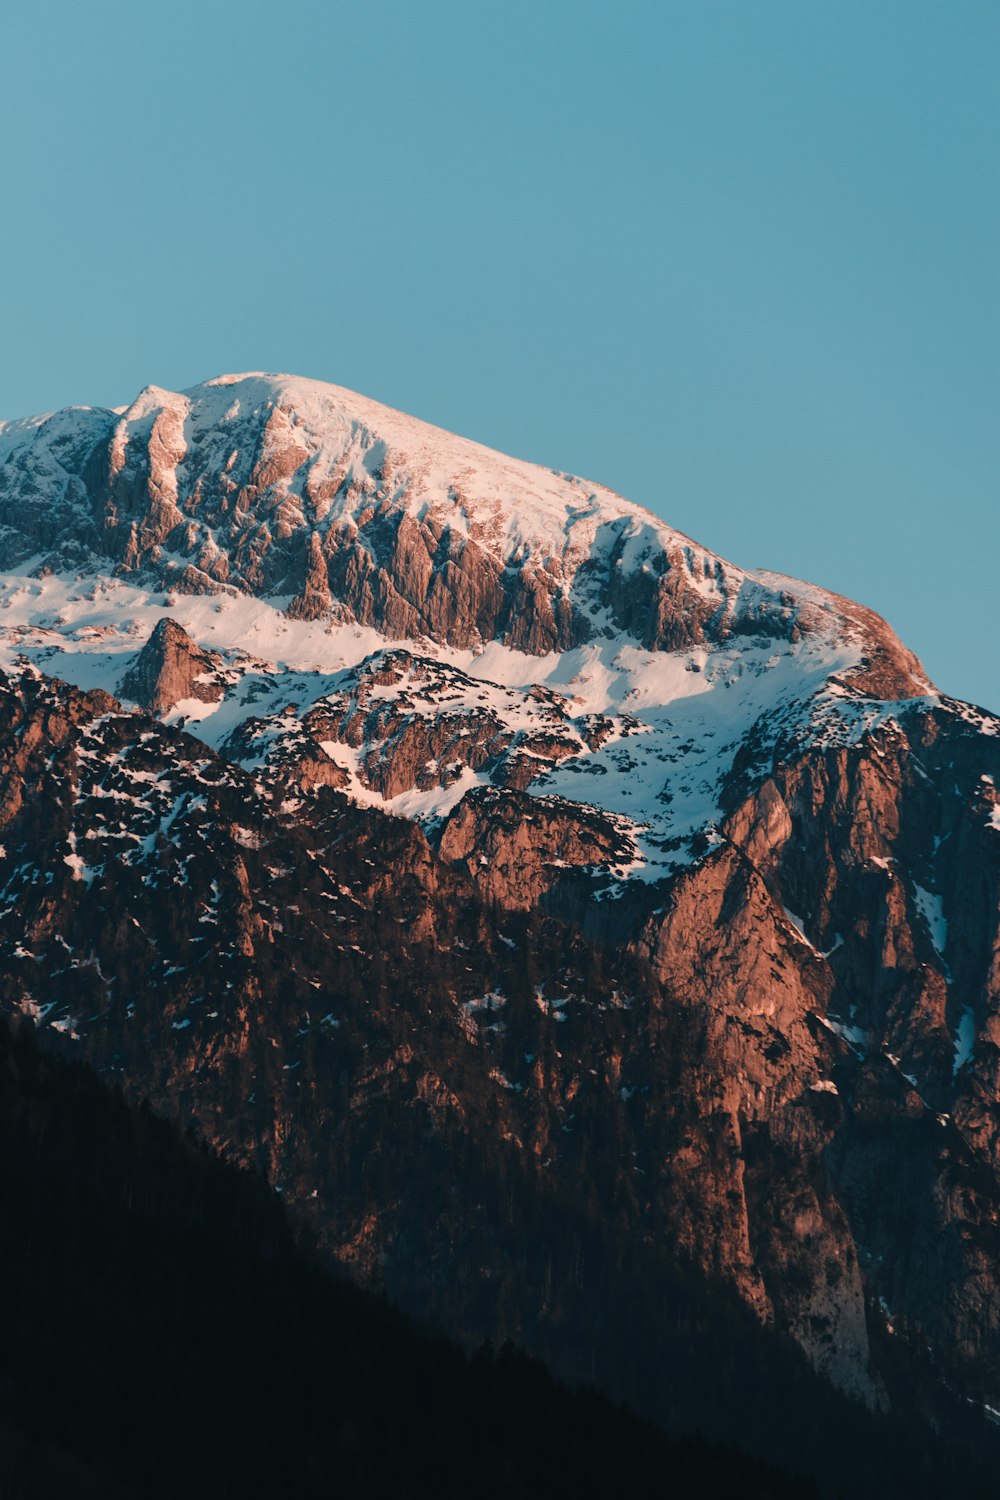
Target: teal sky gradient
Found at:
x=738, y=259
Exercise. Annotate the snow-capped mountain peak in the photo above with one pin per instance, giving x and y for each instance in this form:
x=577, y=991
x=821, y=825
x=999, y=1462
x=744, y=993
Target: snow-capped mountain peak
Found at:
x=294, y=531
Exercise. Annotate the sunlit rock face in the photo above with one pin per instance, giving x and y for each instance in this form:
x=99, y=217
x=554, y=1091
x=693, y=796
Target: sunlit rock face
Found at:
x=170, y=669
x=409, y=818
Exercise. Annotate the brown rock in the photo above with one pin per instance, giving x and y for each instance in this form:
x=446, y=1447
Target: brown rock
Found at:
x=170, y=668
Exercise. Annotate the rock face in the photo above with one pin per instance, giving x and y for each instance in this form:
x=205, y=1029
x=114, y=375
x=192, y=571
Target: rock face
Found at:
x=683, y=931
x=274, y=485
x=170, y=669
x=515, y=849
x=401, y=723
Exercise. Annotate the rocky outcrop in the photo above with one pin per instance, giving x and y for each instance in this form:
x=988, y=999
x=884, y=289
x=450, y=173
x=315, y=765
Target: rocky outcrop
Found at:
x=516, y=848
x=314, y=600
x=285, y=752
x=277, y=486
x=829, y=948
x=408, y=723
x=170, y=669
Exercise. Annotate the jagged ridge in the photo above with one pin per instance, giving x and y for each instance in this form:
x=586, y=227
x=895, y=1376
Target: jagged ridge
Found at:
x=273, y=484
x=746, y=859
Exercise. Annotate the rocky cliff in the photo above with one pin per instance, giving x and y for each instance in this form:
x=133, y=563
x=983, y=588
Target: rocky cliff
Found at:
x=273, y=485
x=517, y=860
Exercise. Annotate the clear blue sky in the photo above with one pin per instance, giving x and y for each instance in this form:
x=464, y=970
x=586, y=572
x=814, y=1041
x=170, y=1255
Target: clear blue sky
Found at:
x=739, y=259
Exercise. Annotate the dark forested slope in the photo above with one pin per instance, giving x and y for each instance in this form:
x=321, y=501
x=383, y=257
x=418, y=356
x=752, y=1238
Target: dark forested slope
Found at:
x=162, y=1336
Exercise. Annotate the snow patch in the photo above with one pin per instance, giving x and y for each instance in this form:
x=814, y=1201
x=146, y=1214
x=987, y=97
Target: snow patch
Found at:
x=965, y=1040
x=931, y=908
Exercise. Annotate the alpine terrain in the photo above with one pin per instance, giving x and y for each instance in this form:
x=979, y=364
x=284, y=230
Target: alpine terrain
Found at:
x=596, y=944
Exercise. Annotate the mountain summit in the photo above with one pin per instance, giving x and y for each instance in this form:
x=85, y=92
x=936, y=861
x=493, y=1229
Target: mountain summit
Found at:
x=324, y=528
x=274, y=485
x=548, y=906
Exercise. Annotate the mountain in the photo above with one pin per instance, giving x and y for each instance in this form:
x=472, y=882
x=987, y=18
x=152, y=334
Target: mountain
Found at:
x=267, y=484
x=550, y=909
x=115, y=1221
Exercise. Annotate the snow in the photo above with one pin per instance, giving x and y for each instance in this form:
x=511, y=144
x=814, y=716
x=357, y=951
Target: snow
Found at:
x=799, y=926
x=435, y=803
x=353, y=450
x=854, y=1036
x=189, y=710
x=965, y=1040
x=73, y=859
x=524, y=510
x=663, y=779
x=680, y=718
x=348, y=758
x=667, y=779
x=493, y=1001
x=346, y=451
x=931, y=908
